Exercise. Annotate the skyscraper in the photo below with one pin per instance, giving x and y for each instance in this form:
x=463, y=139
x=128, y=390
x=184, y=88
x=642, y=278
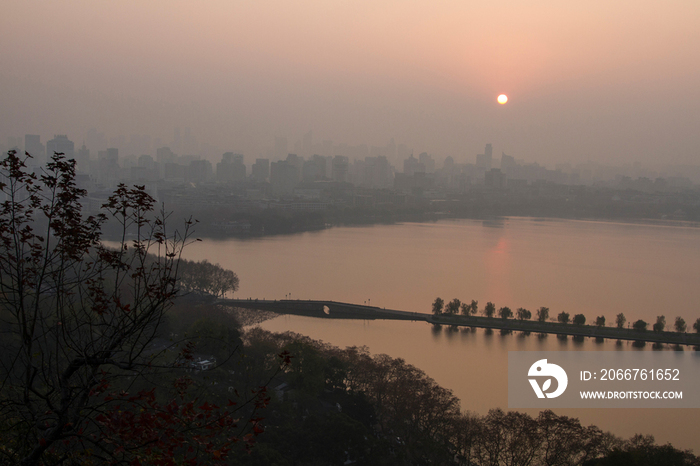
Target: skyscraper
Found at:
x=485, y=160
x=261, y=169
x=60, y=143
x=83, y=159
x=33, y=145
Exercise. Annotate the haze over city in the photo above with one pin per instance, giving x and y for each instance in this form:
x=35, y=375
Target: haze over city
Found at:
x=611, y=83
x=256, y=232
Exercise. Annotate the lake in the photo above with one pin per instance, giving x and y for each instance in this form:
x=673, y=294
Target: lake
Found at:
x=593, y=268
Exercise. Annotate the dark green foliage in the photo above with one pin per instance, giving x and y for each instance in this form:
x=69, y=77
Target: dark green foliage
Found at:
x=388, y=412
x=206, y=278
x=680, y=325
x=88, y=374
x=452, y=307
x=470, y=309
x=620, y=320
x=523, y=314
x=489, y=309
x=641, y=451
x=505, y=313
x=660, y=324
x=640, y=325
x=438, y=305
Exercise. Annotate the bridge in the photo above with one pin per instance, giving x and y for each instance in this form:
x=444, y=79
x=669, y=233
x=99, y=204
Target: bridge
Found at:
x=338, y=310
x=324, y=309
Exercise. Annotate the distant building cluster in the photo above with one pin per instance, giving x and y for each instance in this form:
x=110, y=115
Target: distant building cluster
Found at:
x=314, y=178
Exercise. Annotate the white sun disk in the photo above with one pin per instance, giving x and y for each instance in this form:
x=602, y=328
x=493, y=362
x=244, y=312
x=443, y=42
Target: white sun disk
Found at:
x=502, y=99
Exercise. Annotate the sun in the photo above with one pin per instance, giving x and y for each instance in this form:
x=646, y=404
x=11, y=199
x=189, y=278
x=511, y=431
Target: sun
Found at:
x=502, y=99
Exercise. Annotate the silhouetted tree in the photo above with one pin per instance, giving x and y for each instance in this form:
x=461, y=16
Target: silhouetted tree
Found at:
x=452, y=307
x=680, y=325
x=600, y=321
x=563, y=317
x=523, y=314
x=543, y=314
x=579, y=319
x=438, y=304
x=490, y=309
x=415, y=421
x=620, y=320
x=474, y=307
x=470, y=309
x=640, y=325
x=696, y=325
x=564, y=441
x=78, y=322
x=660, y=324
x=641, y=450
x=505, y=313
x=206, y=278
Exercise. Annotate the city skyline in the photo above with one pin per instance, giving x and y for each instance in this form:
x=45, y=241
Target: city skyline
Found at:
x=606, y=83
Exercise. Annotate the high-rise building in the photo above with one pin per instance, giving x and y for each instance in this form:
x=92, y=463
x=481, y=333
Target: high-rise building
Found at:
x=314, y=169
x=508, y=164
x=297, y=162
x=411, y=165
x=427, y=161
x=485, y=160
x=376, y=172
x=261, y=169
x=199, y=171
x=33, y=146
x=339, y=168
x=109, y=158
x=83, y=159
x=495, y=179
x=165, y=155
x=60, y=143
x=146, y=161
x=283, y=177
x=231, y=168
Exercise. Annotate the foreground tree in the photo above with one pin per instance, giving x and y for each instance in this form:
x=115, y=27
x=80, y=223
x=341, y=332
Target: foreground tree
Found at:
x=490, y=309
x=78, y=320
x=543, y=314
x=523, y=314
x=563, y=317
x=579, y=319
x=641, y=450
x=600, y=321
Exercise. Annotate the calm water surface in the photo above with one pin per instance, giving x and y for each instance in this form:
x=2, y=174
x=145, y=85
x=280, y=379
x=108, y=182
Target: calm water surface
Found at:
x=594, y=268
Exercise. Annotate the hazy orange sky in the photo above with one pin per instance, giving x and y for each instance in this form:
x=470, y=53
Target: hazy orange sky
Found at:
x=595, y=80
